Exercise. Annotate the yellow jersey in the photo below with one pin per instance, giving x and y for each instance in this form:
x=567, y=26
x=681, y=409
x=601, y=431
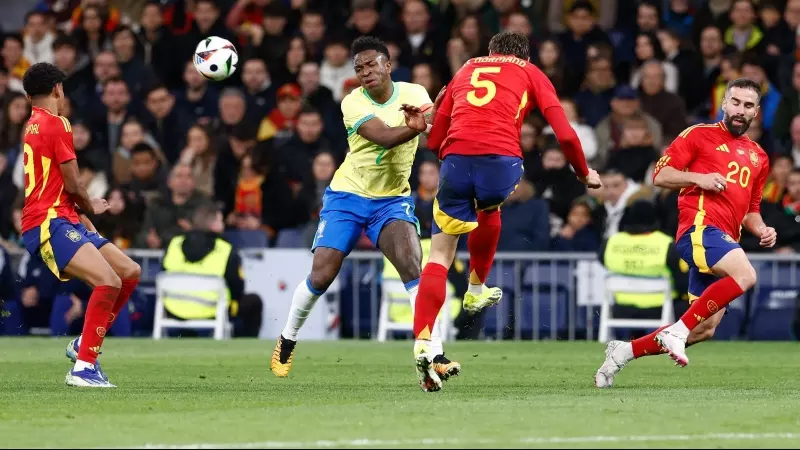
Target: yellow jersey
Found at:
x=370, y=170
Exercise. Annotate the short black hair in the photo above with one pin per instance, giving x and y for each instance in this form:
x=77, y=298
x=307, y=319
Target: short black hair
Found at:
x=144, y=148
x=65, y=41
x=14, y=37
x=582, y=4
x=510, y=43
x=35, y=12
x=41, y=78
x=121, y=29
x=365, y=43
x=309, y=110
x=204, y=214
x=155, y=87
x=244, y=131
x=744, y=83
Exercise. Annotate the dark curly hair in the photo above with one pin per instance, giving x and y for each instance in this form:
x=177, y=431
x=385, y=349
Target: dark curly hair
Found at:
x=365, y=43
x=510, y=43
x=41, y=78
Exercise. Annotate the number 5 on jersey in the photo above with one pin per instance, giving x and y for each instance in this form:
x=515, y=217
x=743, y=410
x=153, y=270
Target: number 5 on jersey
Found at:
x=491, y=89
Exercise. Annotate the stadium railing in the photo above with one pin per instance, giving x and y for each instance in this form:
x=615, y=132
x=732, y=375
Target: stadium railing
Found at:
x=546, y=295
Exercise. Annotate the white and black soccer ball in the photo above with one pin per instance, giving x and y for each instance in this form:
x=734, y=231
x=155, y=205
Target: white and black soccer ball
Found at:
x=215, y=58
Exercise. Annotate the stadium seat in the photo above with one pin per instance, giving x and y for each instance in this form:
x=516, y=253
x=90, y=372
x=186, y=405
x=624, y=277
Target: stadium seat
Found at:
x=772, y=314
x=541, y=318
x=497, y=318
x=176, y=284
x=634, y=285
x=291, y=238
x=247, y=238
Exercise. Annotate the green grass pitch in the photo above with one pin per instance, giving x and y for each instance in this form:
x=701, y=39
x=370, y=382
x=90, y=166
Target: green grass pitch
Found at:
x=193, y=393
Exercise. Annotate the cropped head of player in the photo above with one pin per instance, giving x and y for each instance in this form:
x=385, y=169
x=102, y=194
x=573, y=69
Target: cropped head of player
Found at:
x=43, y=84
x=740, y=105
x=509, y=43
x=372, y=65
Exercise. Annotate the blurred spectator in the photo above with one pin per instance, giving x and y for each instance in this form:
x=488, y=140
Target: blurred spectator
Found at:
x=159, y=46
x=335, y=68
x=79, y=84
x=295, y=156
x=245, y=14
x=557, y=183
x=594, y=98
x=269, y=40
x=525, y=223
x=104, y=68
x=279, y=124
x=557, y=10
x=139, y=76
x=93, y=161
x=577, y=234
x=469, y=40
x=247, y=209
x=712, y=13
x=743, y=33
x=312, y=28
x=364, y=20
x=711, y=50
x=148, y=173
x=420, y=42
x=788, y=110
x=321, y=98
x=668, y=108
x=12, y=123
x=730, y=68
x=624, y=105
x=780, y=167
x=582, y=30
x=788, y=60
x=648, y=17
x=400, y=72
x=322, y=169
x=38, y=41
x=90, y=34
x=425, y=195
x=8, y=193
x=200, y=154
x=424, y=75
x=617, y=190
x=635, y=153
x=240, y=142
x=14, y=61
x=761, y=137
x=107, y=127
x=529, y=141
x=585, y=132
x=207, y=22
x=648, y=49
x=287, y=69
x=169, y=214
x=167, y=124
x=778, y=37
x=199, y=99
x=259, y=89
x=551, y=62
x=687, y=64
x=785, y=216
x=123, y=220
x=678, y=16
x=131, y=133
x=794, y=145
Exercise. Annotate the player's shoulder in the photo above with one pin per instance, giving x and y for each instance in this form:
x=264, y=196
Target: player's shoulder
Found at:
x=53, y=123
x=410, y=89
x=700, y=129
x=356, y=98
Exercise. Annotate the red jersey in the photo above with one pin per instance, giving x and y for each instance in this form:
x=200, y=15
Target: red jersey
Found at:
x=487, y=100
x=711, y=148
x=47, y=144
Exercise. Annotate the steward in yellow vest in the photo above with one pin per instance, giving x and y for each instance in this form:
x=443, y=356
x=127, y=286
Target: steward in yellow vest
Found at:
x=202, y=251
x=640, y=250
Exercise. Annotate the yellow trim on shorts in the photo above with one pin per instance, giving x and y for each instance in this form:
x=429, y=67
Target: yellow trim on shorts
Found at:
x=451, y=225
x=698, y=250
x=45, y=246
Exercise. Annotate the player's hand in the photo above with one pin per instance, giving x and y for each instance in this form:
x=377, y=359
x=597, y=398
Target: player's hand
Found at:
x=768, y=237
x=415, y=119
x=592, y=180
x=713, y=182
x=99, y=206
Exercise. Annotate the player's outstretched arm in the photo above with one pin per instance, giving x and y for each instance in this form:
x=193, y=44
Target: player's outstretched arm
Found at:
x=571, y=145
x=377, y=132
x=754, y=223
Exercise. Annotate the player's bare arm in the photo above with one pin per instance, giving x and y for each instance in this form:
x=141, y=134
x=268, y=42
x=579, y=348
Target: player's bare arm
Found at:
x=754, y=223
x=571, y=146
x=374, y=130
x=74, y=188
x=671, y=178
x=86, y=222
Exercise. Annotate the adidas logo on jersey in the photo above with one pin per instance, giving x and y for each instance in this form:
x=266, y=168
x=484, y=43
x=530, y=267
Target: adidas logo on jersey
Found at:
x=723, y=148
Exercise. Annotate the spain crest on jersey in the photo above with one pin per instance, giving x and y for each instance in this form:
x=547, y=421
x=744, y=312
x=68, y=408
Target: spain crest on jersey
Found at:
x=753, y=158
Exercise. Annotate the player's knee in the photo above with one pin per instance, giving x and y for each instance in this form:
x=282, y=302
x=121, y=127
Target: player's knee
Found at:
x=321, y=279
x=108, y=278
x=745, y=277
x=131, y=271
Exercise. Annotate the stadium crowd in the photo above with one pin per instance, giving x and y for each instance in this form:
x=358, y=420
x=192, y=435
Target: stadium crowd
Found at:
x=155, y=138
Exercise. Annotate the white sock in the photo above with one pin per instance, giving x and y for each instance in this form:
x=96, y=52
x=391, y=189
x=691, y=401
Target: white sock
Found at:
x=302, y=302
x=680, y=329
x=476, y=289
x=435, y=344
x=80, y=365
x=79, y=340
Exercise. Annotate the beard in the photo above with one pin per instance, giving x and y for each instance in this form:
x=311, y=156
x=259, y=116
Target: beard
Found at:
x=736, y=128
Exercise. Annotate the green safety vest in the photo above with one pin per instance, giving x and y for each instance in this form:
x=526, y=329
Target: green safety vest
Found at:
x=194, y=304
x=638, y=255
x=400, y=312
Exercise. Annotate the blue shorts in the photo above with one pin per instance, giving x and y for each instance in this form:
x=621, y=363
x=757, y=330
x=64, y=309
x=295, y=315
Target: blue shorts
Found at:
x=468, y=184
x=702, y=246
x=56, y=242
x=345, y=215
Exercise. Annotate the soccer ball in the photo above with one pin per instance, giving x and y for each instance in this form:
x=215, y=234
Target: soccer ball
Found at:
x=215, y=58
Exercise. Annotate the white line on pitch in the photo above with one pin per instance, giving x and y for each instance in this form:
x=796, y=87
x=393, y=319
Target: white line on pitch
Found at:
x=456, y=441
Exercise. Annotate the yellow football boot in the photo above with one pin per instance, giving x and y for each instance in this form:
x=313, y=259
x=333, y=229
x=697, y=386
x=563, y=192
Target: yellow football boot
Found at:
x=282, y=357
x=474, y=303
